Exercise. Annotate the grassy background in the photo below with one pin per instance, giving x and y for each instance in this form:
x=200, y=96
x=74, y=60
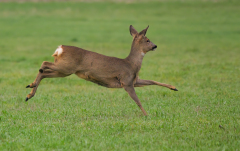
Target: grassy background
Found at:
x=198, y=52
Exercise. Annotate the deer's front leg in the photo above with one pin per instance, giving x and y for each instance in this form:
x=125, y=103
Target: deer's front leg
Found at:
x=141, y=83
x=130, y=90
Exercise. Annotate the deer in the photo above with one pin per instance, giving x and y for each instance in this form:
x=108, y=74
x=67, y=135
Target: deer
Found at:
x=106, y=71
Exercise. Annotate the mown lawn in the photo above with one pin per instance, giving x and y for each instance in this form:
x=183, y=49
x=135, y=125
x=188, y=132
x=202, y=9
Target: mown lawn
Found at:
x=198, y=52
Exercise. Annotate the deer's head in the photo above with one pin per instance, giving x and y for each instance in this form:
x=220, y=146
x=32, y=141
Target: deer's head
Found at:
x=140, y=41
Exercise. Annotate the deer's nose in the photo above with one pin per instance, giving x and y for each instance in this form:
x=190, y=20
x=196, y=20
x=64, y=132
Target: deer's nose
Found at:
x=154, y=47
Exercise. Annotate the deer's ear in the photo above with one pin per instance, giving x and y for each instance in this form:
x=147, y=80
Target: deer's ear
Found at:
x=133, y=31
x=144, y=31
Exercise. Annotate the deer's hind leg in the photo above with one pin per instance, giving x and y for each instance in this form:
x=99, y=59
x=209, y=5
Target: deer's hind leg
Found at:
x=46, y=68
x=40, y=76
x=47, y=65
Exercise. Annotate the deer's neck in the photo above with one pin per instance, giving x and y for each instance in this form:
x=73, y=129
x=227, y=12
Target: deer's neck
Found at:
x=135, y=57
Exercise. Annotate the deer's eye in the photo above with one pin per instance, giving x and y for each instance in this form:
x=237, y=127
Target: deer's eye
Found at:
x=148, y=40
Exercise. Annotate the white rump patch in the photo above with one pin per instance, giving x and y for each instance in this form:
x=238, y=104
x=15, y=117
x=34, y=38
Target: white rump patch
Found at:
x=58, y=51
x=143, y=54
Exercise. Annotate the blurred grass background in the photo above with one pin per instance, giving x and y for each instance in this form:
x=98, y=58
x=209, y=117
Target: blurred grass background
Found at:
x=198, y=52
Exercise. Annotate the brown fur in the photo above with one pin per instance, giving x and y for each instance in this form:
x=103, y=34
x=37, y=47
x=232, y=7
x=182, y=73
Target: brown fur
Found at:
x=110, y=72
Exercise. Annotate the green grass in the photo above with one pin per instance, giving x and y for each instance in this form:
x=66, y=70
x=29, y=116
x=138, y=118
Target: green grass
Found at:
x=198, y=52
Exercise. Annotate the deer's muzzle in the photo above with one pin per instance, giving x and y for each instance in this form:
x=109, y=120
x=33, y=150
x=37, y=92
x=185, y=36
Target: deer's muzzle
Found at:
x=154, y=47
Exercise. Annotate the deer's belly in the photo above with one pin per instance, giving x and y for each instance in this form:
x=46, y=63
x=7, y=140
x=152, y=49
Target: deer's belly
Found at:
x=109, y=82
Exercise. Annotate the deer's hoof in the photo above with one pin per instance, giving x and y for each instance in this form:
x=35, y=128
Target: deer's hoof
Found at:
x=175, y=89
x=26, y=99
x=28, y=86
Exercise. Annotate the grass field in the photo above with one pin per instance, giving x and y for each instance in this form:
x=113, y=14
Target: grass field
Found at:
x=198, y=52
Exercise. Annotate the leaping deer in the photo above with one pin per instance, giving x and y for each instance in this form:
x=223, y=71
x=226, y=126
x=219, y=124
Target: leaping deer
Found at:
x=103, y=70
